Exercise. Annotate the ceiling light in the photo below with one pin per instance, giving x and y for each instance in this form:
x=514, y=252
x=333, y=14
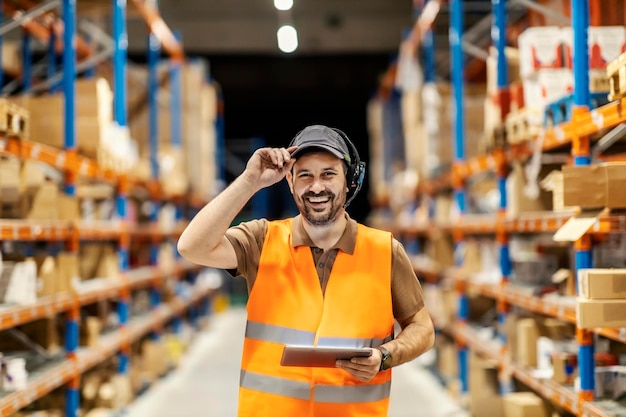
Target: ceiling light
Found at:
x=287, y=38
x=283, y=4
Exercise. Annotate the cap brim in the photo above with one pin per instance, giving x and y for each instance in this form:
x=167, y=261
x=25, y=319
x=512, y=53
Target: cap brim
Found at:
x=307, y=147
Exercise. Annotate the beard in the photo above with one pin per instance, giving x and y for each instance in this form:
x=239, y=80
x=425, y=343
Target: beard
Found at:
x=323, y=216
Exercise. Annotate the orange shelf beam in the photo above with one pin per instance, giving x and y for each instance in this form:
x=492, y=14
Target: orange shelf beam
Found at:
x=159, y=28
x=50, y=230
x=29, y=230
x=583, y=124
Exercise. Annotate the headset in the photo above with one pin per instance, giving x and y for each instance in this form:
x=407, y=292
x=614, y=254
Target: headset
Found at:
x=356, y=167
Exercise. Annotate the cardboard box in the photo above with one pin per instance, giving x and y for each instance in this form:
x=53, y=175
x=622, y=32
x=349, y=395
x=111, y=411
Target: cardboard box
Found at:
x=565, y=367
x=90, y=331
x=485, y=399
x=553, y=182
x=564, y=278
x=546, y=86
x=540, y=48
x=594, y=186
x=94, y=114
x=600, y=313
x=523, y=404
x=527, y=335
x=602, y=283
x=605, y=44
x=518, y=201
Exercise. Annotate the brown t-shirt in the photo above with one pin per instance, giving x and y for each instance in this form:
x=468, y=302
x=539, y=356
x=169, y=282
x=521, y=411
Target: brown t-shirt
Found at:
x=247, y=239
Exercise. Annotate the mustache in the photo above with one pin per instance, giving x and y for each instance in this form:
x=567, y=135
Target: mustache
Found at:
x=322, y=194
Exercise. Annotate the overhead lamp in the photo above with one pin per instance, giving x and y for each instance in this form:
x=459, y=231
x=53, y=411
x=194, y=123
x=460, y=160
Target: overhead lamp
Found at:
x=283, y=4
x=287, y=38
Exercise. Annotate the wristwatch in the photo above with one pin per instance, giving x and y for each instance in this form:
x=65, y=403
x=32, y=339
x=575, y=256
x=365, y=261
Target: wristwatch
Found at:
x=385, y=361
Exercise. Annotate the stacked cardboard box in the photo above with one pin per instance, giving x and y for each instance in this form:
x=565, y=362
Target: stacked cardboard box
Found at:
x=192, y=163
x=602, y=298
x=524, y=404
x=94, y=115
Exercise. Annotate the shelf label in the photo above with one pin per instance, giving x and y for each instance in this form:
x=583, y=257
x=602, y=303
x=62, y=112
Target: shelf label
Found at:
x=559, y=134
x=60, y=162
x=597, y=118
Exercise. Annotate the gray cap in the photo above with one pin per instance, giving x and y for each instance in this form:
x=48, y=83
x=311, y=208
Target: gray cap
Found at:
x=321, y=137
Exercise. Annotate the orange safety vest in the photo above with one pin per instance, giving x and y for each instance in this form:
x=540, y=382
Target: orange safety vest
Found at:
x=286, y=306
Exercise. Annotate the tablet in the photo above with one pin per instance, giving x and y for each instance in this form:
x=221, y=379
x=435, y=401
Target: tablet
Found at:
x=320, y=356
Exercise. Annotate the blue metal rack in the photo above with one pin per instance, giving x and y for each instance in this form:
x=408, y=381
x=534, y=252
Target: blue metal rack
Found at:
x=154, y=51
x=72, y=164
x=456, y=51
x=120, y=114
x=582, y=102
x=581, y=154
x=72, y=399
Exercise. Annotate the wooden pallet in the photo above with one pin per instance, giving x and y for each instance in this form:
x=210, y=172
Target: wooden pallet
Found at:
x=616, y=71
x=522, y=125
x=598, y=82
x=14, y=120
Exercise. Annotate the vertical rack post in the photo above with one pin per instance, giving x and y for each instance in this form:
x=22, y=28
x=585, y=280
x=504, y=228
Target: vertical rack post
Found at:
x=69, y=112
x=498, y=33
x=581, y=155
x=154, y=50
x=456, y=34
x=27, y=62
x=120, y=38
x=91, y=71
x=120, y=116
x=220, y=151
x=176, y=133
x=176, y=99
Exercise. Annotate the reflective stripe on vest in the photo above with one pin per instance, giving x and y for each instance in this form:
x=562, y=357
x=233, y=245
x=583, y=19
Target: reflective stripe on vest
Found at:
x=322, y=393
x=286, y=336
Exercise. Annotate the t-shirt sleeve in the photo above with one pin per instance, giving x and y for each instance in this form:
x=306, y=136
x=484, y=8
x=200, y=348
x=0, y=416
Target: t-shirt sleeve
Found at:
x=407, y=295
x=247, y=240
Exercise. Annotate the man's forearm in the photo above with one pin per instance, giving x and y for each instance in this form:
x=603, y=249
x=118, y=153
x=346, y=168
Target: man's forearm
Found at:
x=415, y=338
x=207, y=228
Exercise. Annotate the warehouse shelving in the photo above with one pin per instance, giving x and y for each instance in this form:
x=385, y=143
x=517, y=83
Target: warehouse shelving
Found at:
x=573, y=136
x=97, y=289
x=67, y=371
x=558, y=394
x=86, y=358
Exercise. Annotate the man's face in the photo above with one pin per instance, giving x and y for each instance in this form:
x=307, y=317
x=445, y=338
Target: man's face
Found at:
x=318, y=185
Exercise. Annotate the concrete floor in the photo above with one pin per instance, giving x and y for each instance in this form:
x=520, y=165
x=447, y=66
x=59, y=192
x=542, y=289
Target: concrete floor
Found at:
x=206, y=382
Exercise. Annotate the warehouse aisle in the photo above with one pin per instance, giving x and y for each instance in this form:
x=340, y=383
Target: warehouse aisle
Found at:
x=205, y=385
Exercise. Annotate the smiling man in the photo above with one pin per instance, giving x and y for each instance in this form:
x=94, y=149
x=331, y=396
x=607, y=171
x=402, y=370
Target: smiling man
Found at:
x=318, y=279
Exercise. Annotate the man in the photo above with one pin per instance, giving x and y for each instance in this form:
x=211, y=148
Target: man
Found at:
x=318, y=279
